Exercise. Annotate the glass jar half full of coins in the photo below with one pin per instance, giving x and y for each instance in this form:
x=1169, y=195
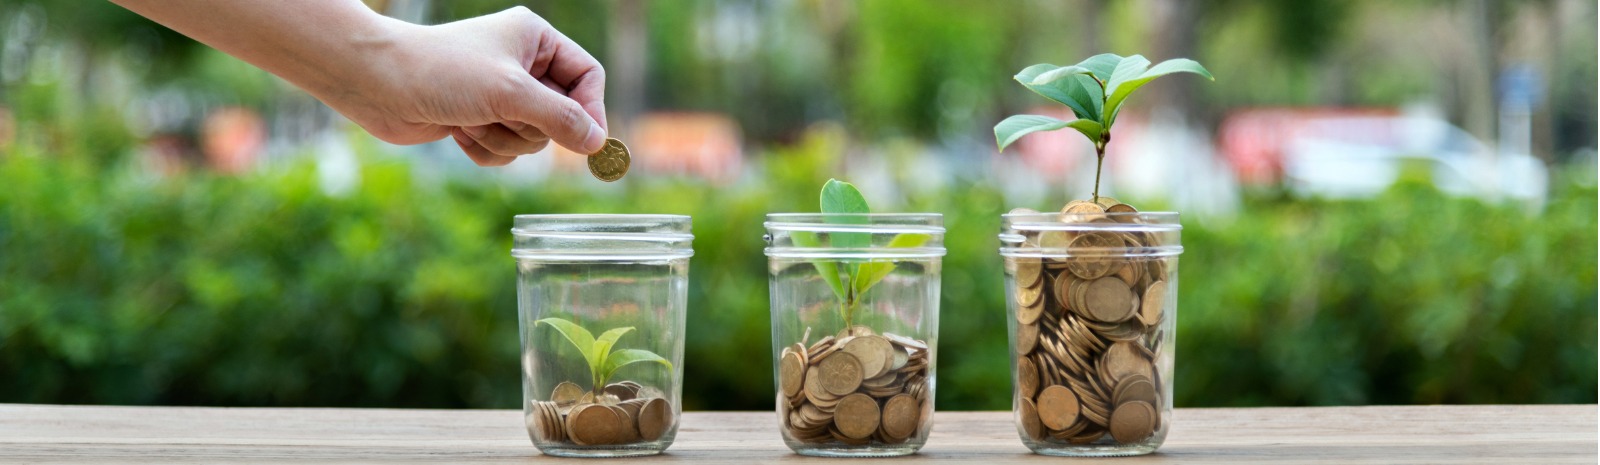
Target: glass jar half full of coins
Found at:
x=601, y=301
x=1091, y=300
x=855, y=318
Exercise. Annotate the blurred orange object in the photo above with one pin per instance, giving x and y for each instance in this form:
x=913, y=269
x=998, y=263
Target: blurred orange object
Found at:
x=8, y=128
x=703, y=145
x=231, y=138
x=706, y=145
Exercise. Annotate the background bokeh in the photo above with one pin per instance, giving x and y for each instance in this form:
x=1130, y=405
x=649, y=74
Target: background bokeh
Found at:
x=179, y=228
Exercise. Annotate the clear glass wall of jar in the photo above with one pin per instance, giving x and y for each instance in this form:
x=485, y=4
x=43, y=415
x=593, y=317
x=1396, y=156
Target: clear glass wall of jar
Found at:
x=1091, y=302
x=855, y=321
x=601, y=302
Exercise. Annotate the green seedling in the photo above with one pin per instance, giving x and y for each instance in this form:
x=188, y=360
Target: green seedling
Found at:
x=598, y=352
x=1095, y=89
x=843, y=204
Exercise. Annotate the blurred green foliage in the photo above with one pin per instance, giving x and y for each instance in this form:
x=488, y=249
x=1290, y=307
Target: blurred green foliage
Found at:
x=118, y=287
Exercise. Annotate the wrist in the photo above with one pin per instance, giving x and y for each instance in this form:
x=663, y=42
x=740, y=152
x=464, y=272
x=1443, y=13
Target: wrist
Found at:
x=357, y=66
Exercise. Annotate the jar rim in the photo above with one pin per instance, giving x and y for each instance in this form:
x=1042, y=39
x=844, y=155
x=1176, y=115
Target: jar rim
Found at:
x=584, y=237
x=1017, y=227
x=876, y=224
x=1056, y=217
x=938, y=216
x=595, y=216
x=895, y=223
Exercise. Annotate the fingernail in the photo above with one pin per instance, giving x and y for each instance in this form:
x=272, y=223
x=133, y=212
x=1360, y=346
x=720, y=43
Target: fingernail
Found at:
x=476, y=131
x=596, y=139
x=514, y=125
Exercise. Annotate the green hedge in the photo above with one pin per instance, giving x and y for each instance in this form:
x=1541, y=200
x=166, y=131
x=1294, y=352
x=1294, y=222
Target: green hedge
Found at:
x=121, y=288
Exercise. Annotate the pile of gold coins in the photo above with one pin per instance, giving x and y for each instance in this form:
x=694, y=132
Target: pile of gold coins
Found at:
x=1088, y=330
x=857, y=388
x=622, y=413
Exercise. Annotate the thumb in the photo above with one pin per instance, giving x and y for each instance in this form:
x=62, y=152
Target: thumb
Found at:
x=559, y=116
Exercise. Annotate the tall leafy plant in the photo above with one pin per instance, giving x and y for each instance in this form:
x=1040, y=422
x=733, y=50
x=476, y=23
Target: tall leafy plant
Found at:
x=1095, y=89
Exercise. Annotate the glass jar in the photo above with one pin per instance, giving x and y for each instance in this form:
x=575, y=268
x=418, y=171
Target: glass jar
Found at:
x=600, y=301
x=1091, y=300
x=855, y=322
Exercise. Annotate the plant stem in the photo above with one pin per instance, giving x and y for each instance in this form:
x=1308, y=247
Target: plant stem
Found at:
x=1099, y=161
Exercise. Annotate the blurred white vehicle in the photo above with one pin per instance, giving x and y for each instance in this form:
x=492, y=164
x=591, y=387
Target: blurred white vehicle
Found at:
x=1360, y=156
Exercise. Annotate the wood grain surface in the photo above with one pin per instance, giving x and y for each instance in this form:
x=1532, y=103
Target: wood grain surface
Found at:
x=1389, y=435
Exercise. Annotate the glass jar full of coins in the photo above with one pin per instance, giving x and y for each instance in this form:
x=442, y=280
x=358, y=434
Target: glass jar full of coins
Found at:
x=1091, y=298
x=601, y=300
x=855, y=318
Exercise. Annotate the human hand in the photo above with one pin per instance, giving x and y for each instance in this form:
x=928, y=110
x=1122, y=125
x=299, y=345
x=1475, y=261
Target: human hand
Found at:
x=501, y=85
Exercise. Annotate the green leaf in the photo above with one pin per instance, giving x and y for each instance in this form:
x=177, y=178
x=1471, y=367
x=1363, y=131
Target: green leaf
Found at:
x=627, y=357
x=579, y=337
x=1128, y=69
x=604, y=343
x=1101, y=65
x=1068, y=90
x=828, y=269
x=1053, y=75
x=1089, y=91
x=839, y=198
x=1125, y=82
x=1179, y=65
x=842, y=197
x=840, y=202
x=1016, y=126
x=873, y=272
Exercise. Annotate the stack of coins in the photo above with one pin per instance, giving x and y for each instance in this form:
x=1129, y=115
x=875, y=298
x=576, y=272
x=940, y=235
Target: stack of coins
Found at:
x=1088, y=330
x=856, y=388
x=621, y=413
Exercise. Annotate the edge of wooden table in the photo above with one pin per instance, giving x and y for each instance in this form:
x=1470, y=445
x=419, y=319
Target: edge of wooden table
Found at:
x=1370, y=434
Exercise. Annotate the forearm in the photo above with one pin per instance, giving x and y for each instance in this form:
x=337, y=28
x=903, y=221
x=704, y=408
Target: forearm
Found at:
x=322, y=46
x=504, y=84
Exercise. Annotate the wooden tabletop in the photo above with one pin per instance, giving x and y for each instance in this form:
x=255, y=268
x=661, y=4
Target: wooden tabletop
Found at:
x=1436, y=434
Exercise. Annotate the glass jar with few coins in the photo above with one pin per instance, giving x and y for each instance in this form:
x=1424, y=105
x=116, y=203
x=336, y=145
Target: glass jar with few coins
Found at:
x=1091, y=296
x=855, y=320
x=601, y=303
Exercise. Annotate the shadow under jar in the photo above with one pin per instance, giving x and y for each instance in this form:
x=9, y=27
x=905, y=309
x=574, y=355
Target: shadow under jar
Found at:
x=1091, y=301
x=855, y=320
x=601, y=302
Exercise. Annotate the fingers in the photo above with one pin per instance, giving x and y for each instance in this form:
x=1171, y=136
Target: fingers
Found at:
x=563, y=119
x=589, y=90
x=576, y=73
x=526, y=131
x=502, y=140
x=478, y=154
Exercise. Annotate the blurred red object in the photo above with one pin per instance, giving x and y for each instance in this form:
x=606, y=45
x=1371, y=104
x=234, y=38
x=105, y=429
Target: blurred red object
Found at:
x=1253, y=141
x=1054, y=154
